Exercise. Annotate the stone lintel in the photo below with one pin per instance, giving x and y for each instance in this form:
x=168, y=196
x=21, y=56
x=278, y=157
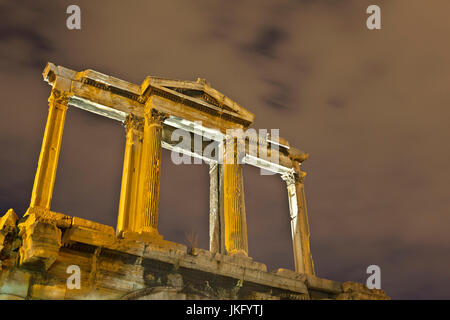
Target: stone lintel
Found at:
x=92, y=84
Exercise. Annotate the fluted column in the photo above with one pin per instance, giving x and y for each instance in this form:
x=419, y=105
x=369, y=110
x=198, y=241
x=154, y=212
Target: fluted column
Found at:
x=234, y=206
x=299, y=220
x=150, y=173
x=44, y=181
x=127, y=217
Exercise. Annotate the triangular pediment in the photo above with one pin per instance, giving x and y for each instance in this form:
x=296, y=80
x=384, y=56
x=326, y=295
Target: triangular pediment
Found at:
x=200, y=90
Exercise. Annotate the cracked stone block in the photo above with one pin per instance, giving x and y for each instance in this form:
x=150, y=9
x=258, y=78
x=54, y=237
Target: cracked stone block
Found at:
x=7, y=226
x=40, y=244
x=48, y=292
x=174, y=280
x=14, y=283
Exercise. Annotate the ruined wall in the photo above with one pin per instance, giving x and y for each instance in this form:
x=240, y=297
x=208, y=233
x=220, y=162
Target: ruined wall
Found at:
x=36, y=251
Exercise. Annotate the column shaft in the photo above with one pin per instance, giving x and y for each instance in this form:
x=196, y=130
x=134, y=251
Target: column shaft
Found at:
x=150, y=173
x=130, y=178
x=234, y=205
x=299, y=221
x=304, y=228
x=44, y=181
x=216, y=220
x=295, y=228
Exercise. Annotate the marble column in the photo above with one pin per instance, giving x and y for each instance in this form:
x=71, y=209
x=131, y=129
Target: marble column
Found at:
x=148, y=201
x=128, y=214
x=216, y=219
x=299, y=220
x=44, y=181
x=234, y=206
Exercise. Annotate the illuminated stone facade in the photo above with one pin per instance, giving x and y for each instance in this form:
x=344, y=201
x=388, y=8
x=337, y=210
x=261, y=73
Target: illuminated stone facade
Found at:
x=134, y=261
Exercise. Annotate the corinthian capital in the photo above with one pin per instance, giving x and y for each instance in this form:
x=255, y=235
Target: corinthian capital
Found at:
x=155, y=116
x=59, y=97
x=289, y=178
x=300, y=176
x=133, y=122
x=294, y=177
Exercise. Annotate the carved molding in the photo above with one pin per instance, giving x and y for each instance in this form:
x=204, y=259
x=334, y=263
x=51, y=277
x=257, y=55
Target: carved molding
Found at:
x=190, y=102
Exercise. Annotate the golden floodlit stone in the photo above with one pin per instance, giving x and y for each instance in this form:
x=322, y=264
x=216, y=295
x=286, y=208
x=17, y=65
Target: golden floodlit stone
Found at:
x=49, y=255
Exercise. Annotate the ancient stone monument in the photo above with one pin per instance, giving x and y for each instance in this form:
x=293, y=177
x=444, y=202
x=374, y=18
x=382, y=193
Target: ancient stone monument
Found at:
x=39, y=252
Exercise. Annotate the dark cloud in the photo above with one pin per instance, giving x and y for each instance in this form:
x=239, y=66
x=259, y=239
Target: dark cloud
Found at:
x=24, y=42
x=267, y=39
x=367, y=105
x=32, y=48
x=278, y=96
x=336, y=102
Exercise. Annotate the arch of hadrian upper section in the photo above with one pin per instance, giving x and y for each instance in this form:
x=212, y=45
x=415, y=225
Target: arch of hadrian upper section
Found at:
x=151, y=112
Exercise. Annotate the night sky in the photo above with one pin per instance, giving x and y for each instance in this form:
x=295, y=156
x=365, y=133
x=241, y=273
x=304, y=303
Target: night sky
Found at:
x=370, y=107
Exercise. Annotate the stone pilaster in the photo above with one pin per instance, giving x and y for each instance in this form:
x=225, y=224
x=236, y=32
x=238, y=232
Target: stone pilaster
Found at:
x=150, y=173
x=234, y=206
x=299, y=220
x=128, y=214
x=44, y=181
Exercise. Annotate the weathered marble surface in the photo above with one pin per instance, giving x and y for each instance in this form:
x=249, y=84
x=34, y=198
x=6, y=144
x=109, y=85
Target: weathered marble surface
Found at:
x=36, y=251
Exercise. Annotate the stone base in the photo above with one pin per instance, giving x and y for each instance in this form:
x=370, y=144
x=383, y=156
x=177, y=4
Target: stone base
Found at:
x=35, y=260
